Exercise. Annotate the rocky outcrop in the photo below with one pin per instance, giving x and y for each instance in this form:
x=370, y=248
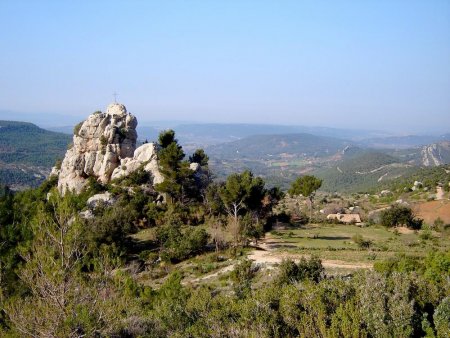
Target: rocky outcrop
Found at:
x=145, y=156
x=435, y=154
x=99, y=144
x=105, y=199
x=104, y=147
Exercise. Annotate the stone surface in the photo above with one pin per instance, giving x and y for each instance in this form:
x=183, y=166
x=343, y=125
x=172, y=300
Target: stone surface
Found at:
x=102, y=141
x=105, y=199
x=195, y=166
x=146, y=156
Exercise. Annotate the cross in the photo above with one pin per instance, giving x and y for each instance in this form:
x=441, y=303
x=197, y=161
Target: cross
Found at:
x=115, y=97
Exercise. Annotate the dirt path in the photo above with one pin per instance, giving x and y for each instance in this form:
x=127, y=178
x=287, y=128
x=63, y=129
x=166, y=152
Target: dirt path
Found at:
x=215, y=274
x=270, y=258
x=267, y=257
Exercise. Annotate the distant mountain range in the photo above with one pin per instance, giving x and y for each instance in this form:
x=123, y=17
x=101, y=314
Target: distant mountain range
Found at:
x=198, y=135
x=402, y=142
x=270, y=147
x=28, y=152
x=343, y=165
x=343, y=158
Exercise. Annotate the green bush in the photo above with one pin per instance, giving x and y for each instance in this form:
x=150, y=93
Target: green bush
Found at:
x=242, y=276
x=77, y=128
x=103, y=140
x=398, y=215
x=111, y=226
x=291, y=272
x=441, y=318
x=361, y=242
x=177, y=245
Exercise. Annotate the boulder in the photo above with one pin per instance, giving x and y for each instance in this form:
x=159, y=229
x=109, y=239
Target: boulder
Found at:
x=105, y=199
x=146, y=156
x=386, y=193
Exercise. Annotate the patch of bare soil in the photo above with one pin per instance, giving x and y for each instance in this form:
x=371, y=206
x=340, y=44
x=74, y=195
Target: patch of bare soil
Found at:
x=403, y=230
x=430, y=211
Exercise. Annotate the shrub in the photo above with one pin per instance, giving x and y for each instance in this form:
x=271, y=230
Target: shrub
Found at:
x=361, y=242
x=103, y=140
x=441, y=318
x=400, y=263
x=398, y=215
x=77, y=128
x=426, y=235
x=291, y=272
x=438, y=224
x=242, y=276
x=177, y=245
x=111, y=226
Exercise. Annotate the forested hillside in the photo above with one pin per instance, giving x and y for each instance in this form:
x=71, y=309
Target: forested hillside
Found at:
x=362, y=172
x=28, y=152
x=278, y=147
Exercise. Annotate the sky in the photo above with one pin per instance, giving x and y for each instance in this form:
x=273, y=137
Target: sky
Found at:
x=381, y=64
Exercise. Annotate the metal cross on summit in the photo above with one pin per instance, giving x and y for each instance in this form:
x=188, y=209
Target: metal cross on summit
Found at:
x=115, y=97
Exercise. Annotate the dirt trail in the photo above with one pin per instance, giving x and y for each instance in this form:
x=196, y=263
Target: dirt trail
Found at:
x=265, y=256
x=215, y=274
x=270, y=258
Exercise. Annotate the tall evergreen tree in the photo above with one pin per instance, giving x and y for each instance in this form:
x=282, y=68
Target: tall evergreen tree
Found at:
x=306, y=186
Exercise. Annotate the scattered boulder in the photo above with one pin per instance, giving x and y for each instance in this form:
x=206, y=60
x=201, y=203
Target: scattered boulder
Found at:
x=416, y=185
x=345, y=218
x=101, y=199
x=86, y=214
x=386, y=193
x=400, y=201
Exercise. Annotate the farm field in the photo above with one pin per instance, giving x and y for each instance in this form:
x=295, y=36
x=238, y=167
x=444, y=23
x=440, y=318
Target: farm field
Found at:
x=337, y=243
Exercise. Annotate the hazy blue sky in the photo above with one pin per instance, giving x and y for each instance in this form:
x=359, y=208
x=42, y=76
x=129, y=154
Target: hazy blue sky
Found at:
x=373, y=64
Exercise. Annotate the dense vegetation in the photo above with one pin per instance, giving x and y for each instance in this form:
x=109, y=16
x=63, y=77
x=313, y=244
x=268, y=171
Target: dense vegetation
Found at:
x=428, y=177
x=362, y=172
x=26, y=151
x=69, y=274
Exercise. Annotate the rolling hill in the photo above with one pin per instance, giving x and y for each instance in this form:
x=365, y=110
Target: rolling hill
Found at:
x=28, y=152
x=281, y=146
x=362, y=172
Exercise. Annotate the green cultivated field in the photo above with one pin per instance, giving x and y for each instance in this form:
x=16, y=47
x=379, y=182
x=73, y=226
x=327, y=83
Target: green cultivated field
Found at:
x=335, y=242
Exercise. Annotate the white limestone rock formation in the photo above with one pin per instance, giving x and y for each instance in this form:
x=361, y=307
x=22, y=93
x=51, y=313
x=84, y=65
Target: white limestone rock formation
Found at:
x=146, y=156
x=99, y=144
x=105, y=199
